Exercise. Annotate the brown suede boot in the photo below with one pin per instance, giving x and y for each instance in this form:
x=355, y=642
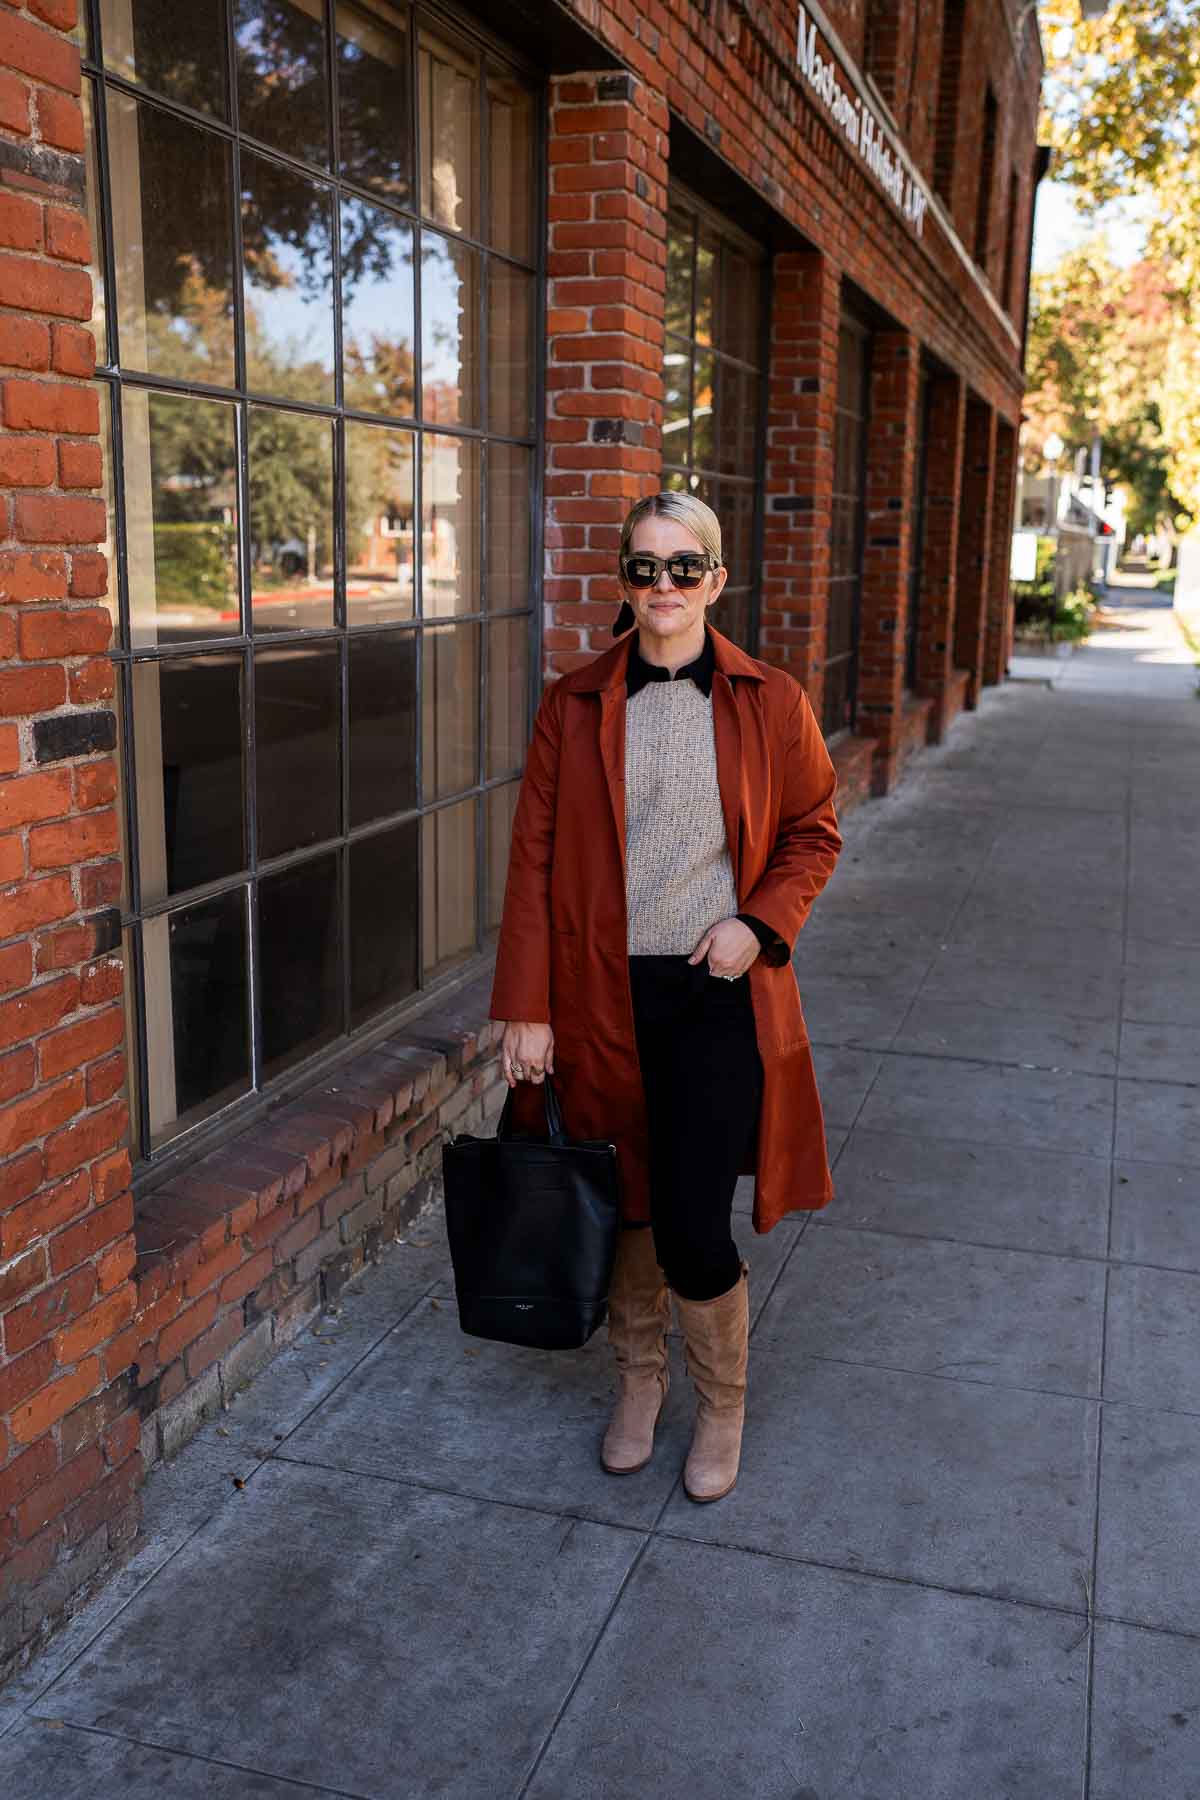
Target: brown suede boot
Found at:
x=639, y=1315
x=717, y=1339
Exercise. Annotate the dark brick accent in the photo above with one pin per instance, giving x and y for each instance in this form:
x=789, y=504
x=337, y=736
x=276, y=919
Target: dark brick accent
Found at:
x=73, y=734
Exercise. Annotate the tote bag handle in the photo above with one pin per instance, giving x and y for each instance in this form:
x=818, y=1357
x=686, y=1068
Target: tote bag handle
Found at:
x=555, y=1130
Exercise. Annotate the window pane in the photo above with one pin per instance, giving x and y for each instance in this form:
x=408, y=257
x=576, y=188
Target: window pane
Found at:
x=511, y=161
x=180, y=517
x=296, y=728
x=449, y=331
x=510, y=472
x=173, y=263
x=197, y=1013
x=508, y=686
x=737, y=433
x=383, y=725
x=108, y=396
x=741, y=305
x=180, y=50
x=374, y=98
x=510, y=350
x=500, y=806
x=291, y=520
x=449, y=117
x=449, y=525
x=287, y=239
x=706, y=263
x=299, y=957
x=282, y=86
x=383, y=921
x=187, y=733
x=677, y=370
x=448, y=886
x=379, y=524
x=449, y=709
x=87, y=100
x=680, y=245
x=377, y=310
x=703, y=447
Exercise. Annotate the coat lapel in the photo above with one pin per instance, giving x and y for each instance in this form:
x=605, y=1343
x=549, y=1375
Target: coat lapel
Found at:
x=607, y=676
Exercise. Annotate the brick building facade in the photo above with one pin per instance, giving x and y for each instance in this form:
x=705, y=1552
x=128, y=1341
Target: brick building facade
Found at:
x=307, y=487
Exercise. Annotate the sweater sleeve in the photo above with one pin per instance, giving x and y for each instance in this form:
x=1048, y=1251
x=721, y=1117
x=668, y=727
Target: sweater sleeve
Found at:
x=770, y=940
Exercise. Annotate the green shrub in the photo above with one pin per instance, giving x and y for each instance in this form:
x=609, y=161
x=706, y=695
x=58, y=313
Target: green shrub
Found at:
x=194, y=565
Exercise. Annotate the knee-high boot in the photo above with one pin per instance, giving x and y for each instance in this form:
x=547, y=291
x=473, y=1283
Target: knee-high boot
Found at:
x=639, y=1315
x=717, y=1339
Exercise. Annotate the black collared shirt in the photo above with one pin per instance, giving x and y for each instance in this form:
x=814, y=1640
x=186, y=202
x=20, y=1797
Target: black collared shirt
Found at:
x=700, y=670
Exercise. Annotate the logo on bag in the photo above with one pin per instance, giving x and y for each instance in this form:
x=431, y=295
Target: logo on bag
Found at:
x=523, y=1305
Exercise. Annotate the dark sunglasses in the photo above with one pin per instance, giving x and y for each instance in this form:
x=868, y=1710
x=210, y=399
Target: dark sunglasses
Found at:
x=687, y=569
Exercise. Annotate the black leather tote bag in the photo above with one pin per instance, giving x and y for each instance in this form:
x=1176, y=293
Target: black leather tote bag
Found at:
x=533, y=1228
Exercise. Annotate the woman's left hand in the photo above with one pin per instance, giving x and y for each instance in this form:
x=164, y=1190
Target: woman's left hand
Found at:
x=730, y=947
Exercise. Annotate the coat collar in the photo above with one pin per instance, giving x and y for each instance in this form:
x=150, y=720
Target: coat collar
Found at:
x=608, y=670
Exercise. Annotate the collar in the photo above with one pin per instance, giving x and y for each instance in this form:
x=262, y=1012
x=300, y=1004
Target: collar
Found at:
x=608, y=669
x=700, y=670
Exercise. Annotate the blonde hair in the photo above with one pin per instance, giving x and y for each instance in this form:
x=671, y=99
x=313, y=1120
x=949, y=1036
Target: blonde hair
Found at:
x=686, y=510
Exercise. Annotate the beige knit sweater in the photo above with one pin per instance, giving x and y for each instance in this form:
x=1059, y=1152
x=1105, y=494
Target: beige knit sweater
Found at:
x=679, y=873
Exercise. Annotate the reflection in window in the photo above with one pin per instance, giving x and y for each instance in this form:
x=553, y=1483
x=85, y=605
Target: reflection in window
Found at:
x=287, y=242
x=180, y=517
x=379, y=524
x=449, y=119
x=296, y=715
x=448, y=885
x=377, y=310
x=282, y=83
x=712, y=424
x=197, y=1023
x=91, y=197
x=510, y=156
x=510, y=350
x=174, y=272
x=300, y=960
x=374, y=101
x=509, y=578
x=187, y=732
x=283, y=567
x=449, y=709
x=449, y=525
x=169, y=48
x=383, y=725
x=291, y=519
x=449, y=331
x=508, y=684
x=383, y=920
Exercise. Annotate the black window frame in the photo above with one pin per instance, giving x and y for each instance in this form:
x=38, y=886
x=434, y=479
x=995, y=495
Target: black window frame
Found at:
x=494, y=56
x=839, y=722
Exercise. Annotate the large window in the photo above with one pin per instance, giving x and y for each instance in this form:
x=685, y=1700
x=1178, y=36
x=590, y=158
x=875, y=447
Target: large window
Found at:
x=317, y=326
x=846, y=537
x=712, y=380
x=916, y=537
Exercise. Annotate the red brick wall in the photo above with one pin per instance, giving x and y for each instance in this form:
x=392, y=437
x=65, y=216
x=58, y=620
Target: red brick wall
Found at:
x=607, y=267
x=974, y=544
x=802, y=397
x=70, y=1463
x=891, y=485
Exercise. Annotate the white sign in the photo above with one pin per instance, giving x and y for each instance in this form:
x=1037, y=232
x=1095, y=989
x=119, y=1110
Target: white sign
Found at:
x=1023, y=565
x=858, y=124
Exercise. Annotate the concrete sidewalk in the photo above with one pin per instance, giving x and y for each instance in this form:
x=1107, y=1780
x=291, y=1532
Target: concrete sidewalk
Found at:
x=963, y=1558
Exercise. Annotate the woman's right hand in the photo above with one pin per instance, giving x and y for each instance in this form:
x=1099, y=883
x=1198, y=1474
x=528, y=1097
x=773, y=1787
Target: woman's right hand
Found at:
x=527, y=1053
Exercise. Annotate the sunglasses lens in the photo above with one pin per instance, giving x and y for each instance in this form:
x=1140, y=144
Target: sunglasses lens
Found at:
x=641, y=571
x=686, y=571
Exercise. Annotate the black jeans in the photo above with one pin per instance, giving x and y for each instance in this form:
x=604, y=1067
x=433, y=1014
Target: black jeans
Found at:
x=702, y=1076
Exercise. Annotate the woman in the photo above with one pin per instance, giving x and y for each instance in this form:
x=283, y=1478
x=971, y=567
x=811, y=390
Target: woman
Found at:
x=674, y=825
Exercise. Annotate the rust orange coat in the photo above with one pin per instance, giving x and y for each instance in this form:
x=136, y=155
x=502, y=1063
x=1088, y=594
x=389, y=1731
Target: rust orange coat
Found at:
x=562, y=956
